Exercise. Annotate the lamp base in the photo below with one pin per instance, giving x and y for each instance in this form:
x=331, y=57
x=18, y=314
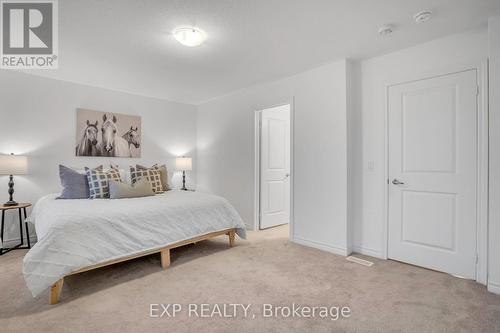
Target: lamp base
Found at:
x=11, y=201
x=183, y=181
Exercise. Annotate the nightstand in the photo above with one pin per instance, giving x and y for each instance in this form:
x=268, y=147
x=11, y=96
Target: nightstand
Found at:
x=21, y=207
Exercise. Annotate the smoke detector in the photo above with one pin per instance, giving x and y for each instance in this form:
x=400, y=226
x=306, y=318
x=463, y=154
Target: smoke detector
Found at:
x=422, y=16
x=385, y=30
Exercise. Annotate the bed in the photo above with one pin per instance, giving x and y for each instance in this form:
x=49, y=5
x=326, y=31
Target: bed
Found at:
x=79, y=235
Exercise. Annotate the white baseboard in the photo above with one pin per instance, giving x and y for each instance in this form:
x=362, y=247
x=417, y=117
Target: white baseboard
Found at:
x=250, y=227
x=367, y=251
x=15, y=241
x=321, y=246
x=494, y=287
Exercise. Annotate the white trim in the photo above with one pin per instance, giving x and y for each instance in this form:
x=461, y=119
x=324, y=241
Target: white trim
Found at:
x=256, y=204
x=367, y=251
x=15, y=241
x=350, y=156
x=494, y=287
x=342, y=251
x=249, y=226
x=482, y=174
x=385, y=238
x=257, y=163
x=482, y=168
x=292, y=169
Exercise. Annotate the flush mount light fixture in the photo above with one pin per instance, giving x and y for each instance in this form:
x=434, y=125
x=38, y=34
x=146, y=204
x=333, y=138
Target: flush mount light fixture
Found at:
x=385, y=30
x=189, y=36
x=422, y=16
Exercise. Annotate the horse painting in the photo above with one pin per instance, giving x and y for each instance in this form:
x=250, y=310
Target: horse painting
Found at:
x=89, y=146
x=112, y=144
x=107, y=134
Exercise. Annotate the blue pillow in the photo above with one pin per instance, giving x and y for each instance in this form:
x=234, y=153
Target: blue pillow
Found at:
x=75, y=184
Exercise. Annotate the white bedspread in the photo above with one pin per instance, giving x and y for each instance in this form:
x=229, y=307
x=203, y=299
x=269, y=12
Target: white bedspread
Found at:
x=73, y=234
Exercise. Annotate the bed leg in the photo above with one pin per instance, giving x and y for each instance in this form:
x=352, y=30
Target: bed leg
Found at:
x=231, y=235
x=55, y=291
x=165, y=258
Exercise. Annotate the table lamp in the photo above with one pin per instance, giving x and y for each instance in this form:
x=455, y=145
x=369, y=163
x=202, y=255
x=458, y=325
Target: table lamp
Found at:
x=13, y=165
x=184, y=164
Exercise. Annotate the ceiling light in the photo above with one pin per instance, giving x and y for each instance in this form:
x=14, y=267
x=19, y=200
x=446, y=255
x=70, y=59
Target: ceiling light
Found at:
x=422, y=16
x=189, y=36
x=385, y=30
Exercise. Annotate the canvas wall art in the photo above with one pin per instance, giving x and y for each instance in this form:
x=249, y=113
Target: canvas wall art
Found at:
x=107, y=134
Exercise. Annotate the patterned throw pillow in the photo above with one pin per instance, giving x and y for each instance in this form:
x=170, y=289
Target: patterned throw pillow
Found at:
x=152, y=175
x=163, y=174
x=98, y=182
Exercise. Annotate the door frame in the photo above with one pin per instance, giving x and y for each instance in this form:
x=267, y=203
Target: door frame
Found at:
x=257, y=117
x=482, y=158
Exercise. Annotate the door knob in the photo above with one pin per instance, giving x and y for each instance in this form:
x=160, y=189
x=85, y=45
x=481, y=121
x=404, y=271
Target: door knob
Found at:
x=396, y=181
x=287, y=175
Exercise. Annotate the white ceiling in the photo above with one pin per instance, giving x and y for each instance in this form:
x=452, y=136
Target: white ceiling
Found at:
x=126, y=44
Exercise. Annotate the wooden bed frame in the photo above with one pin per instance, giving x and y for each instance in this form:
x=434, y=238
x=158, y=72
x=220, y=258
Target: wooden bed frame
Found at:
x=55, y=290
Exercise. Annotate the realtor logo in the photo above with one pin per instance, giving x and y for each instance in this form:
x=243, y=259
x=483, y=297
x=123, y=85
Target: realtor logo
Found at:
x=29, y=37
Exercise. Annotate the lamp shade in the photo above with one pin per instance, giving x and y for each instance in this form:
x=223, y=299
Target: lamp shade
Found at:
x=13, y=165
x=184, y=164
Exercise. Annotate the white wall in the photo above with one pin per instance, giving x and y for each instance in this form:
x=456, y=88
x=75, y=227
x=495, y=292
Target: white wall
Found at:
x=226, y=151
x=371, y=78
x=38, y=118
x=494, y=207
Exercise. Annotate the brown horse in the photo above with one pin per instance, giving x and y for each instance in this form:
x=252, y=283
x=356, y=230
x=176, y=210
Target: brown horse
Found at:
x=132, y=137
x=89, y=146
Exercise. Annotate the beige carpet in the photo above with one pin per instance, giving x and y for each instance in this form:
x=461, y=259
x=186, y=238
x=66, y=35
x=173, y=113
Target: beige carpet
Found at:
x=387, y=297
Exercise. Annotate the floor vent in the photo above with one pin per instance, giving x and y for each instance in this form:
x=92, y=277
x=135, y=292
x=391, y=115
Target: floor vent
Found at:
x=359, y=261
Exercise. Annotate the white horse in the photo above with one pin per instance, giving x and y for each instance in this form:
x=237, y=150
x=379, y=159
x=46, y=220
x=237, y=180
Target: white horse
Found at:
x=113, y=145
x=89, y=146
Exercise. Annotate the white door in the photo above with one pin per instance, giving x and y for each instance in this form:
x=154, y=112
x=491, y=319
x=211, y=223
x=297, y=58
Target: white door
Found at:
x=275, y=166
x=432, y=173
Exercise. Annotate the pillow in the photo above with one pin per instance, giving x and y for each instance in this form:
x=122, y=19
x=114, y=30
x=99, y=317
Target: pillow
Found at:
x=124, y=174
x=165, y=180
x=75, y=184
x=152, y=175
x=119, y=190
x=99, y=182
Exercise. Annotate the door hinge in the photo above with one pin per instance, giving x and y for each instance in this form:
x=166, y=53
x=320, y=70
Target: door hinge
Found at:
x=477, y=258
x=477, y=90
